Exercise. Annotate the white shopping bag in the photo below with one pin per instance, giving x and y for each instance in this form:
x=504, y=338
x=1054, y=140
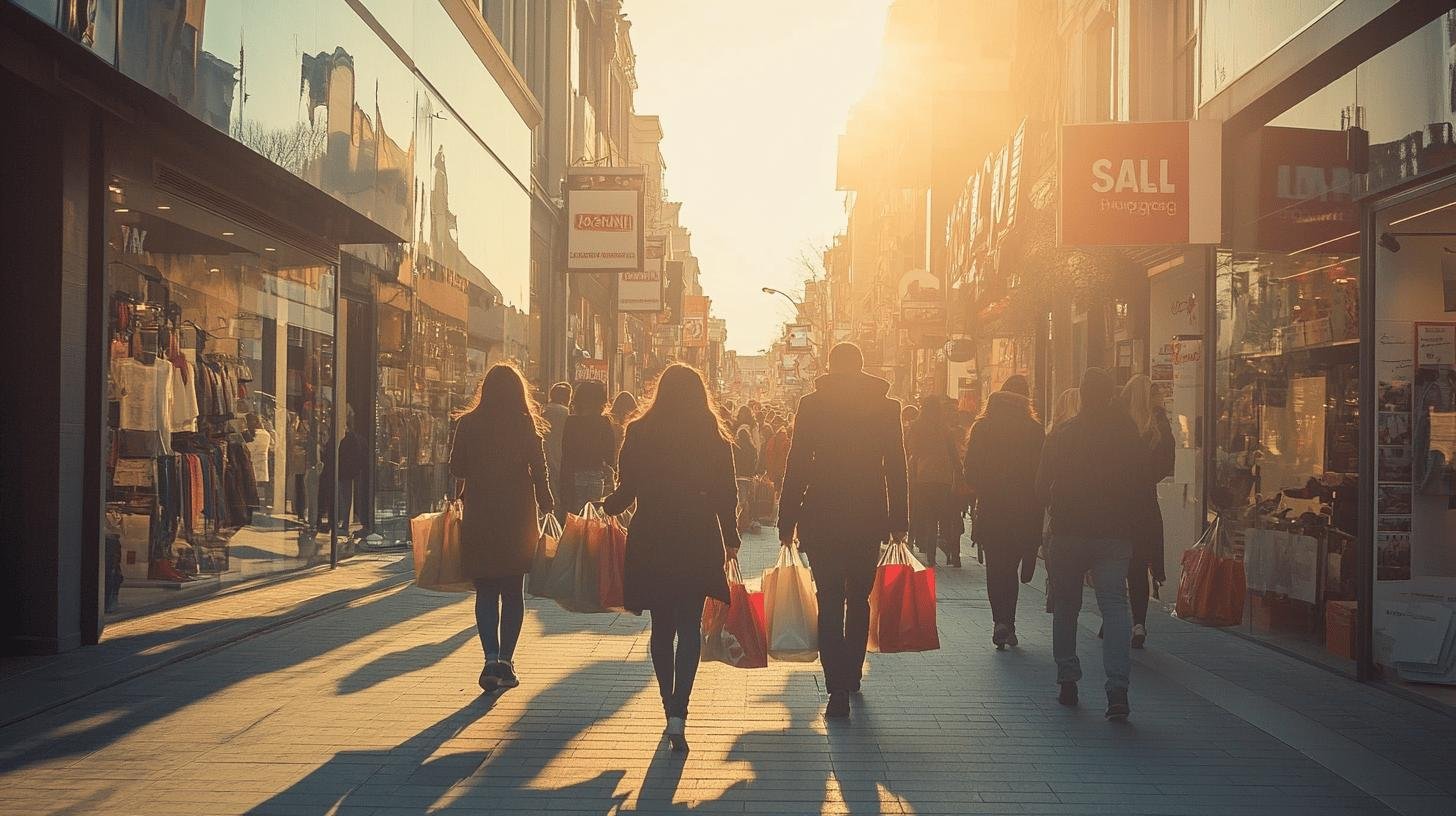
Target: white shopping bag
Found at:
x=791, y=610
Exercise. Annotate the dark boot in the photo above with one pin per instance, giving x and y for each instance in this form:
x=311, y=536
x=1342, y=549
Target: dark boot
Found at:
x=1068, y=694
x=1117, y=707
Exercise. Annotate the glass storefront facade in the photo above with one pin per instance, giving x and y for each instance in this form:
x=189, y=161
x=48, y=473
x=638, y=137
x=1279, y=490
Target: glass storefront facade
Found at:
x=1333, y=496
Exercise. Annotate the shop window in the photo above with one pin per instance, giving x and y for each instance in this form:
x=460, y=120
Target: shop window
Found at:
x=1414, y=429
x=220, y=385
x=1285, y=465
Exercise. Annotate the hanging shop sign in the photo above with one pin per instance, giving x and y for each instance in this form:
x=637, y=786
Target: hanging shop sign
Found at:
x=717, y=330
x=604, y=219
x=590, y=369
x=1140, y=183
x=695, y=321
x=643, y=291
x=1305, y=194
x=800, y=336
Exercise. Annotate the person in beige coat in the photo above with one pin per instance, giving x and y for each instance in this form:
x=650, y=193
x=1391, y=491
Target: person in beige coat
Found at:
x=500, y=455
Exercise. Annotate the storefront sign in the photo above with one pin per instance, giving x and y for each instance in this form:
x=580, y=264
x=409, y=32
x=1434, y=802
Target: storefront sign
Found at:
x=643, y=291
x=589, y=369
x=695, y=321
x=1140, y=183
x=717, y=330
x=799, y=336
x=1305, y=196
x=604, y=219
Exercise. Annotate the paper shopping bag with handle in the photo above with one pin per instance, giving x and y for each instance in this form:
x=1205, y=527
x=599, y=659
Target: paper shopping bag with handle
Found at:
x=902, y=604
x=545, y=554
x=1212, y=588
x=791, y=610
x=611, y=565
x=437, y=555
x=734, y=632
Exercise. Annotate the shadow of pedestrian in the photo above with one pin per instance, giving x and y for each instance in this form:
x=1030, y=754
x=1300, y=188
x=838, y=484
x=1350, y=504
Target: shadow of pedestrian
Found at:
x=403, y=661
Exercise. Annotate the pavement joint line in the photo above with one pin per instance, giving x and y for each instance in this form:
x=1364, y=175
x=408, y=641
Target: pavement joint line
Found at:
x=384, y=585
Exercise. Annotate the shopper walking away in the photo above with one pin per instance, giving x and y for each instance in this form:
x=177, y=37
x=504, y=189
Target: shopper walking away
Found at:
x=844, y=493
x=555, y=413
x=588, y=446
x=677, y=465
x=745, y=464
x=933, y=465
x=1068, y=404
x=1001, y=463
x=1141, y=401
x=1091, y=477
x=776, y=452
x=499, y=453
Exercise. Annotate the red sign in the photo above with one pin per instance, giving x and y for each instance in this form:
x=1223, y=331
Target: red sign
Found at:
x=1139, y=183
x=590, y=369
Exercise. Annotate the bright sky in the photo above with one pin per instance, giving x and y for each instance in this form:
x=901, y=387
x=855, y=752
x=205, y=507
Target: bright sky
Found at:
x=753, y=95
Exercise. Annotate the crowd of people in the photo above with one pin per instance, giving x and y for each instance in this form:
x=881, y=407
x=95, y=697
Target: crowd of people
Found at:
x=848, y=471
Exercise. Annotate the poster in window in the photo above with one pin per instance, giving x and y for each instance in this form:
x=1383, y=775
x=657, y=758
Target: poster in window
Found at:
x=1393, y=463
x=1393, y=499
x=1394, y=428
x=1392, y=556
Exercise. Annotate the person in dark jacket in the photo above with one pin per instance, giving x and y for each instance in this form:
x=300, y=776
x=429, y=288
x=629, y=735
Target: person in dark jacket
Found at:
x=677, y=465
x=1091, y=478
x=1001, y=463
x=624, y=407
x=499, y=453
x=933, y=464
x=844, y=493
x=1146, y=410
x=745, y=464
x=353, y=464
x=588, y=446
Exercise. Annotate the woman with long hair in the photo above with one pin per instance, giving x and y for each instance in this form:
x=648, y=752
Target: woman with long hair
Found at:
x=1001, y=461
x=500, y=455
x=588, y=446
x=1146, y=410
x=933, y=463
x=624, y=407
x=677, y=465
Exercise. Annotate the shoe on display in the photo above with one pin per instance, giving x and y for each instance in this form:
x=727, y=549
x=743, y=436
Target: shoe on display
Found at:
x=1139, y=635
x=507, y=674
x=838, y=707
x=1117, y=707
x=490, y=676
x=1068, y=694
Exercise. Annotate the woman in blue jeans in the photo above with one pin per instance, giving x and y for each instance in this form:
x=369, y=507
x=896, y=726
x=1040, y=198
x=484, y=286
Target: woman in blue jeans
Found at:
x=500, y=455
x=677, y=466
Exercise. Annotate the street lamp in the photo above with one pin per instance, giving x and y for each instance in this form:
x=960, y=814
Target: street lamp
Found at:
x=769, y=290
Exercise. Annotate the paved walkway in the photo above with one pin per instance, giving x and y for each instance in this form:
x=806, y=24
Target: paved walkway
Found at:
x=372, y=708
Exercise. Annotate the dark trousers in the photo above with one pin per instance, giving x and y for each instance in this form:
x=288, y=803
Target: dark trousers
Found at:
x=676, y=669
x=842, y=583
x=1138, y=590
x=500, y=607
x=935, y=520
x=1003, y=582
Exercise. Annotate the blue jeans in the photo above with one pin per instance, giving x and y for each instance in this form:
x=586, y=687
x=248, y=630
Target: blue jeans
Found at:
x=1068, y=558
x=500, y=609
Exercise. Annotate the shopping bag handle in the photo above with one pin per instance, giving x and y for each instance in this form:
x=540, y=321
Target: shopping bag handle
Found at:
x=899, y=552
x=731, y=571
x=550, y=526
x=591, y=511
x=789, y=556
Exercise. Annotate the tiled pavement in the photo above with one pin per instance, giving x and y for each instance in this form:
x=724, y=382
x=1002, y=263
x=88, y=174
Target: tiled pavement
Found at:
x=372, y=709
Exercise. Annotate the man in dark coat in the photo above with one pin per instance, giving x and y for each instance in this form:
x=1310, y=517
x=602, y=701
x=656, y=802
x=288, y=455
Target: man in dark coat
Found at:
x=845, y=491
x=1000, y=469
x=1091, y=476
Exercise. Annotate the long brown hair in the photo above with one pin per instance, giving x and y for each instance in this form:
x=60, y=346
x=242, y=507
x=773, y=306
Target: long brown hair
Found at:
x=504, y=401
x=680, y=405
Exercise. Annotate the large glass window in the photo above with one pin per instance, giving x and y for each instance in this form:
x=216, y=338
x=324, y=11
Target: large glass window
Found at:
x=220, y=383
x=1414, y=611
x=1285, y=468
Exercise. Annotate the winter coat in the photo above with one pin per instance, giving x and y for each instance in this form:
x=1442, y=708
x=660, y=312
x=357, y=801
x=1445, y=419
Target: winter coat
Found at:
x=1093, y=474
x=1147, y=538
x=588, y=442
x=506, y=484
x=845, y=484
x=1000, y=470
x=931, y=455
x=745, y=455
x=686, y=505
x=776, y=456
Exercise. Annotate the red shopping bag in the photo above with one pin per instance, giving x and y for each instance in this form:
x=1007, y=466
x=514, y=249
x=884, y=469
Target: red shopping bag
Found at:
x=735, y=633
x=1212, y=587
x=611, y=556
x=902, y=604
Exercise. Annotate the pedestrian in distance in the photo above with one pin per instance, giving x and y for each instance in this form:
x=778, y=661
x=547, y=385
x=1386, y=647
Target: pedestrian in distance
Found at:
x=844, y=493
x=1001, y=467
x=1068, y=404
x=933, y=467
x=1141, y=401
x=555, y=411
x=745, y=464
x=677, y=466
x=500, y=455
x=588, y=446
x=624, y=407
x=1091, y=477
